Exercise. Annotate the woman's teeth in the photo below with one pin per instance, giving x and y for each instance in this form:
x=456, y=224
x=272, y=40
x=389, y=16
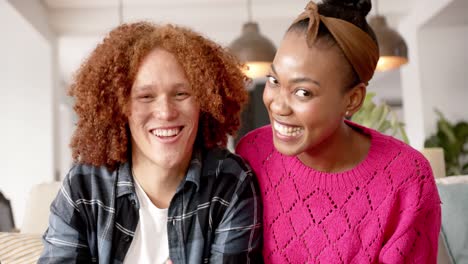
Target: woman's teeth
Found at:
x=287, y=130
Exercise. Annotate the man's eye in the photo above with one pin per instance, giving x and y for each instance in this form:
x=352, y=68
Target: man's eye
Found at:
x=182, y=95
x=144, y=98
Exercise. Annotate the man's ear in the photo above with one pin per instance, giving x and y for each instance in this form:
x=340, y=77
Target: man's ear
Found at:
x=355, y=98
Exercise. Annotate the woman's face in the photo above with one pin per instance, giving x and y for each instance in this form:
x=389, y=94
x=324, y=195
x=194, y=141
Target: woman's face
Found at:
x=305, y=94
x=164, y=113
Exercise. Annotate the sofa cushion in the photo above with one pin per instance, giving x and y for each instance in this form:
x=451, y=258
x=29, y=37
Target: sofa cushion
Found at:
x=20, y=248
x=453, y=193
x=36, y=215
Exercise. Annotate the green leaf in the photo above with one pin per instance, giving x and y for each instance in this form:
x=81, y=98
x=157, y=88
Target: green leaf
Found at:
x=453, y=138
x=403, y=134
x=461, y=131
x=447, y=129
x=374, y=117
x=432, y=142
x=384, y=126
x=465, y=169
x=379, y=117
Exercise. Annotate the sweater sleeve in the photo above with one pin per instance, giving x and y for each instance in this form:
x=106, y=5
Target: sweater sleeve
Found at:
x=415, y=220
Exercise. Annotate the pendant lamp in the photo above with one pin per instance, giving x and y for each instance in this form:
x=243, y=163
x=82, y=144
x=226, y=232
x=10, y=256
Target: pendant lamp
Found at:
x=392, y=47
x=253, y=49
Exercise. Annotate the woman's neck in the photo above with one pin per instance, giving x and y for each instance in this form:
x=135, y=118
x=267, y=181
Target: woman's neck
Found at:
x=341, y=151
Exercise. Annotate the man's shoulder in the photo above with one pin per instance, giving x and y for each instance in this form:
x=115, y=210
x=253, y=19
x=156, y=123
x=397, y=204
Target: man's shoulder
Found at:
x=228, y=176
x=85, y=181
x=85, y=173
x=219, y=161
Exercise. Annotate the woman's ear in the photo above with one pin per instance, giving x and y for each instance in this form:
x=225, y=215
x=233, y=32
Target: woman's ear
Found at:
x=355, y=97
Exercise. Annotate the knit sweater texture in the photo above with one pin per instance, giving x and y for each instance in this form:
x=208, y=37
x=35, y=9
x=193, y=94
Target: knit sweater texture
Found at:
x=385, y=210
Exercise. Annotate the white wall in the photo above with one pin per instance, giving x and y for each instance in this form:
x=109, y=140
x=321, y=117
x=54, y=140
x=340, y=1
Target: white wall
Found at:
x=386, y=85
x=445, y=79
x=72, y=51
x=37, y=16
x=411, y=74
x=26, y=108
x=34, y=13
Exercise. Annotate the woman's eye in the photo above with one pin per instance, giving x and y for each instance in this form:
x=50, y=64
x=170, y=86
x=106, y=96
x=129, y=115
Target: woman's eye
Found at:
x=302, y=93
x=272, y=80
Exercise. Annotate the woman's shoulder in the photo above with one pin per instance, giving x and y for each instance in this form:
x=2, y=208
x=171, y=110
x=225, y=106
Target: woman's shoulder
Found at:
x=262, y=135
x=256, y=144
x=405, y=164
x=383, y=145
x=389, y=145
x=392, y=155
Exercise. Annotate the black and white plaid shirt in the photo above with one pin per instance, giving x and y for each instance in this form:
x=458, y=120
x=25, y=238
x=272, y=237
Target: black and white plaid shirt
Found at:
x=214, y=217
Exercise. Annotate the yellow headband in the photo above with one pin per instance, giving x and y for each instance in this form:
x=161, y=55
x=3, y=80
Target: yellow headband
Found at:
x=359, y=48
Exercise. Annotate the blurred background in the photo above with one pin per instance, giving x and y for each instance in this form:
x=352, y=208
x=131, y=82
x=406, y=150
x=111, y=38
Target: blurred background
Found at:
x=44, y=41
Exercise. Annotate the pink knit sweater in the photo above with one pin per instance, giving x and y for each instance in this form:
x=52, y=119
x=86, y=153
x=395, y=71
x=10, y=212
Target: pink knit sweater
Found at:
x=385, y=210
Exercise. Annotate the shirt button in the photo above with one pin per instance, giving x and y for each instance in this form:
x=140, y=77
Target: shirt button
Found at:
x=133, y=202
x=127, y=238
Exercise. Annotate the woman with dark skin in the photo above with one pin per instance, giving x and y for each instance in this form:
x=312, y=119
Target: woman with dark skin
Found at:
x=334, y=191
x=153, y=180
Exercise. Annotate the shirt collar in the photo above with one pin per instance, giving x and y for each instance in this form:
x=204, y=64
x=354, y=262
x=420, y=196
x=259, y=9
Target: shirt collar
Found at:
x=125, y=183
x=194, y=169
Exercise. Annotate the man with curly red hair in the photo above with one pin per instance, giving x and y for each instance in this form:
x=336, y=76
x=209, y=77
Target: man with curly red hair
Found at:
x=153, y=180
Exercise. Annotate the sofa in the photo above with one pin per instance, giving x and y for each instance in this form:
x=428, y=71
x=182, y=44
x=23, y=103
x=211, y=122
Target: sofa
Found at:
x=26, y=246
x=453, y=240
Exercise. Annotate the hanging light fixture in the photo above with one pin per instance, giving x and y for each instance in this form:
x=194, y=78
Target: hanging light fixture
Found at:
x=392, y=47
x=253, y=49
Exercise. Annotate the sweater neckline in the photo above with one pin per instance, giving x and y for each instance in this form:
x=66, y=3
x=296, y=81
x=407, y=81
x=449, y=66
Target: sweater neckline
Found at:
x=352, y=177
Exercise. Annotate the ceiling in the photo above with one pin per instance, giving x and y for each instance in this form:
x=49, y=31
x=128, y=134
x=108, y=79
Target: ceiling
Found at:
x=81, y=24
x=454, y=14
x=218, y=18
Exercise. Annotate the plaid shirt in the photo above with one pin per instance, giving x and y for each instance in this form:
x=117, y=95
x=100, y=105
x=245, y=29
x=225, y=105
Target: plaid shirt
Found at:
x=214, y=216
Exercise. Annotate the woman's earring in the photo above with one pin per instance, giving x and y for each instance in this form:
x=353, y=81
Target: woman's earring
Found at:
x=347, y=117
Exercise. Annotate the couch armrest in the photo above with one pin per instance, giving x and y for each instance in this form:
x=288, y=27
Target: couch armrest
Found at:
x=20, y=248
x=453, y=239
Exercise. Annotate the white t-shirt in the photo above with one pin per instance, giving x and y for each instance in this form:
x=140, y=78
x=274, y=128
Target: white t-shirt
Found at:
x=150, y=243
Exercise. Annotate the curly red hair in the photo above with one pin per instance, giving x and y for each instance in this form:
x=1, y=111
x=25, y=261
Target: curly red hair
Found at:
x=103, y=83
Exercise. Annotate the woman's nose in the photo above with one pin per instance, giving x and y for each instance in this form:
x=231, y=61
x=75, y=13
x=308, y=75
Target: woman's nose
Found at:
x=279, y=104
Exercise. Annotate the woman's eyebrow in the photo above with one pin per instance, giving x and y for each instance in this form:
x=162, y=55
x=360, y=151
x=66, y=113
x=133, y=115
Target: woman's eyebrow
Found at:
x=304, y=79
x=297, y=80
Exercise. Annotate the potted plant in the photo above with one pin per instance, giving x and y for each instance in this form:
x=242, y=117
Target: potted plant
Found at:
x=453, y=139
x=380, y=117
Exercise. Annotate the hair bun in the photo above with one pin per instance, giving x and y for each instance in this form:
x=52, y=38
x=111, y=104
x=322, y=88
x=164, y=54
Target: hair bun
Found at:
x=362, y=6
